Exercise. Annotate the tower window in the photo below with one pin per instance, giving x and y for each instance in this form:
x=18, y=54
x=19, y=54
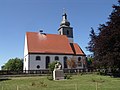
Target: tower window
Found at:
x=67, y=32
x=38, y=58
x=56, y=58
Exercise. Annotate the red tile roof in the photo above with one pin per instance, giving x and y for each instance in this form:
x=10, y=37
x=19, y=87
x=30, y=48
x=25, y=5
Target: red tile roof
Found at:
x=50, y=44
x=78, y=50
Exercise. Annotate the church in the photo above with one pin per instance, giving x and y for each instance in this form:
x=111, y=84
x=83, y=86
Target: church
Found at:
x=40, y=48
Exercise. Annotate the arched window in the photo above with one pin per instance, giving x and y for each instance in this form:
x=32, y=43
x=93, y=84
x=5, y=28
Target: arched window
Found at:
x=38, y=66
x=79, y=62
x=79, y=58
x=65, y=62
x=47, y=61
x=56, y=58
x=38, y=58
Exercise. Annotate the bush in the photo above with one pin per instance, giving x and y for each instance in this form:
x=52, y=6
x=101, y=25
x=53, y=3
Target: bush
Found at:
x=100, y=80
x=52, y=65
x=68, y=76
x=50, y=78
x=38, y=84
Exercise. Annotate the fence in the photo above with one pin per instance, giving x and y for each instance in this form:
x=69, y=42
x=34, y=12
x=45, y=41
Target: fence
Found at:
x=47, y=71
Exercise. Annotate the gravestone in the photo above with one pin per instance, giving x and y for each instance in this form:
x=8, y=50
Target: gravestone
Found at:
x=58, y=72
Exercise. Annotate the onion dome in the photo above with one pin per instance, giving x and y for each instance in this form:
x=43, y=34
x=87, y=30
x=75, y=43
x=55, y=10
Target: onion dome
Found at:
x=64, y=21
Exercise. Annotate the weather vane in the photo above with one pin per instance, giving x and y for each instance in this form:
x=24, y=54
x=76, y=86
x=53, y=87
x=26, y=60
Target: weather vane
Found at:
x=64, y=10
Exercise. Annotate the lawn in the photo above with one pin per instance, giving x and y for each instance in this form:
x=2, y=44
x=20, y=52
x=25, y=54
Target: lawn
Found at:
x=78, y=82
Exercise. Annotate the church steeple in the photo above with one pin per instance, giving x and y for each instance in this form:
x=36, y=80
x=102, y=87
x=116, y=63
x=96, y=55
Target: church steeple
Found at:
x=65, y=22
x=65, y=28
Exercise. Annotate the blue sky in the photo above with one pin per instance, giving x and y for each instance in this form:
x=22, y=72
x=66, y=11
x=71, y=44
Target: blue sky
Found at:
x=20, y=16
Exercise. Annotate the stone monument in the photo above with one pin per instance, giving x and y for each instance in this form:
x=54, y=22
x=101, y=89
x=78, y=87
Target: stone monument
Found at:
x=58, y=72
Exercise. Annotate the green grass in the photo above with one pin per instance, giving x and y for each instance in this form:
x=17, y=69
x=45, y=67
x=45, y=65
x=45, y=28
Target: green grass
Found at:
x=78, y=82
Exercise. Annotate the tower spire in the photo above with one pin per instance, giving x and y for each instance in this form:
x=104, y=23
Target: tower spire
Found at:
x=64, y=21
x=64, y=14
x=65, y=28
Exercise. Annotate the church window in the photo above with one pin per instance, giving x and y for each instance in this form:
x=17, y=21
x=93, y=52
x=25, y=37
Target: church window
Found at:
x=47, y=61
x=38, y=66
x=79, y=58
x=79, y=62
x=65, y=62
x=67, y=32
x=56, y=58
x=38, y=58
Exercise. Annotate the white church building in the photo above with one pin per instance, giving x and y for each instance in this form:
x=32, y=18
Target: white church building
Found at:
x=40, y=49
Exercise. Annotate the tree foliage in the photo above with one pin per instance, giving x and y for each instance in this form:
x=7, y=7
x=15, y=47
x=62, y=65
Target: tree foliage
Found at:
x=91, y=43
x=71, y=63
x=89, y=62
x=106, y=45
x=52, y=65
x=15, y=64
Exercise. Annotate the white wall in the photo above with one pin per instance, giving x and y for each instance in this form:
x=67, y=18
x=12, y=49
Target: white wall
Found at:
x=42, y=63
x=26, y=56
x=25, y=47
x=26, y=63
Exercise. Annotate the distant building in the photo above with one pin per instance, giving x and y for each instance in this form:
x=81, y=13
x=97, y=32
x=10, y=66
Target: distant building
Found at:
x=40, y=49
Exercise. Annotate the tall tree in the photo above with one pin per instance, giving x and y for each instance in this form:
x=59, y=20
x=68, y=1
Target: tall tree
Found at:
x=91, y=43
x=106, y=47
x=15, y=64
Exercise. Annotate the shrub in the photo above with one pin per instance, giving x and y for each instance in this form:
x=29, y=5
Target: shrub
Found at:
x=49, y=77
x=67, y=76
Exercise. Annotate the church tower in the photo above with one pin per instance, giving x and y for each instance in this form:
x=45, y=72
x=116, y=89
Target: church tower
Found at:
x=65, y=28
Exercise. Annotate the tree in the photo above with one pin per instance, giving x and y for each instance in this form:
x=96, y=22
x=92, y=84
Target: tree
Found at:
x=91, y=43
x=52, y=65
x=71, y=63
x=3, y=67
x=106, y=45
x=15, y=64
x=89, y=62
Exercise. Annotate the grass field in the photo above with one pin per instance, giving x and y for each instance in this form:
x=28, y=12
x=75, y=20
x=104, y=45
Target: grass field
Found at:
x=78, y=82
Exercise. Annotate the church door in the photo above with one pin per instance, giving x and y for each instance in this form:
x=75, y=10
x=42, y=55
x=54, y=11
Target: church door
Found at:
x=47, y=61
x=65, y=62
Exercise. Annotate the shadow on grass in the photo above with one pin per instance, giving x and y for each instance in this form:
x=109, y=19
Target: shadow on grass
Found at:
x=4, y=78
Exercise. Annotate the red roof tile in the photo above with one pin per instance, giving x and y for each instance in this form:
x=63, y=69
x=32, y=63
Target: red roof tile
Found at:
x=50, y=43
x=78, y=50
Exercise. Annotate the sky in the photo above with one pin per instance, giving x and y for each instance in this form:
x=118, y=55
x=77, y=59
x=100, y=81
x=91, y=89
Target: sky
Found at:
x=20, y=16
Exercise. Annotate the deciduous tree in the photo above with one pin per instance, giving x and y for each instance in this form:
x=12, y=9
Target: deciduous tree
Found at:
x=15, y=64
x=106, y=44
x=72, y=63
